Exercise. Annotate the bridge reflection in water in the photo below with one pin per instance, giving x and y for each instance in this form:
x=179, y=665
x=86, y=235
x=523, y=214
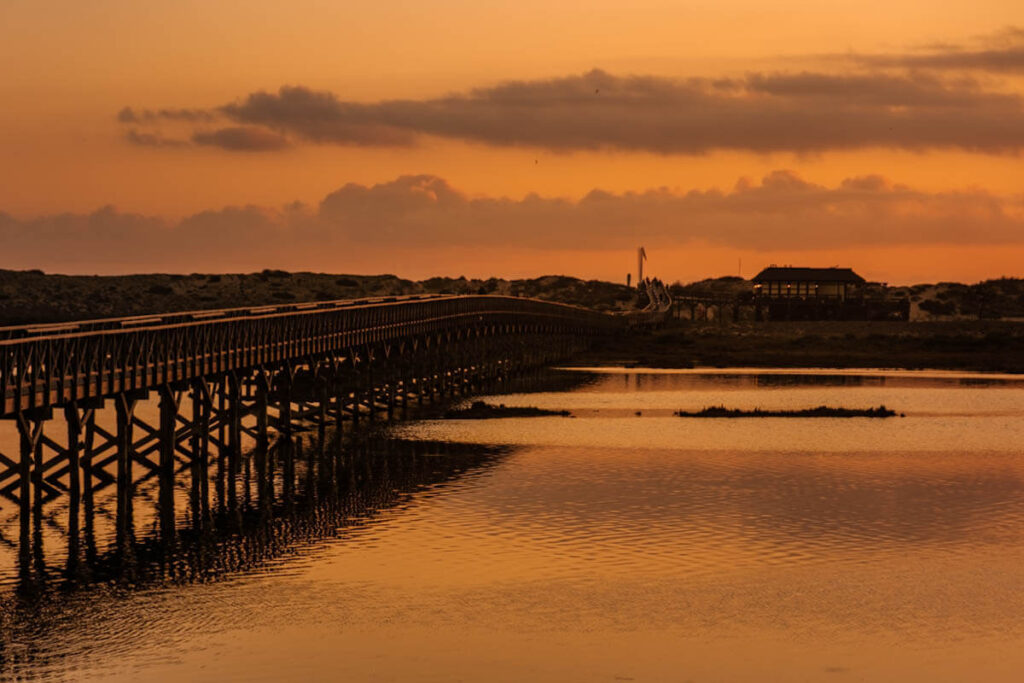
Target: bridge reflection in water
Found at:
x=311, y=489
x=331, y=484
x=225, y=519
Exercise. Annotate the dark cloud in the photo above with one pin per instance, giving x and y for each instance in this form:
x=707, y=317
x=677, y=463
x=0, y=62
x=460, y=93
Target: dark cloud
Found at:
x=1008, y=60
x=242, y=138
x=877, y=90
x=130, y=115
x=317, y=117
x=762, y=112
x=999, y=52
x=415, y=213
x=152, y=139
x=941, y=96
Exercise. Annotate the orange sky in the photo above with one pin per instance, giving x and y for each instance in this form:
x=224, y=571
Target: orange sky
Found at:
x=814, y=90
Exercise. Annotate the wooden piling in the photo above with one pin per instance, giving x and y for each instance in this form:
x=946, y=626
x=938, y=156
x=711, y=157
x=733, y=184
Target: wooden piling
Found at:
x=73, y=420
x=165, y=474
x=125, y=410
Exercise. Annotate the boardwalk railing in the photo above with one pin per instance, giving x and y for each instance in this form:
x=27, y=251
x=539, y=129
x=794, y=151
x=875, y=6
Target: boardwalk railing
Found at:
x=46, y=366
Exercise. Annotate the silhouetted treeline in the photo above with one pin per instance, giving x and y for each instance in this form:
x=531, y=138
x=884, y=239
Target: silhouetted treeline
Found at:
x=35, y=297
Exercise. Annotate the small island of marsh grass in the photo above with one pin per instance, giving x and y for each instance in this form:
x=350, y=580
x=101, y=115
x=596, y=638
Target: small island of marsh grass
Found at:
x=481, y=410
x=820, y=411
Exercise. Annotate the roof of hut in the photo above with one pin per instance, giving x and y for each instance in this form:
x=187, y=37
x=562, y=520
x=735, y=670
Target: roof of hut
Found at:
x=790, y=274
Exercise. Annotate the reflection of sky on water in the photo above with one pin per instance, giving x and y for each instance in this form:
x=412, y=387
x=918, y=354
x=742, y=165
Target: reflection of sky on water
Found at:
x=946, y=395
x=646, y=379
x=655, y=548
x=861, y=373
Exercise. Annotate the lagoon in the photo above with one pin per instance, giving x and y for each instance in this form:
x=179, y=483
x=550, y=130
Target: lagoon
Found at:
x=622, y=543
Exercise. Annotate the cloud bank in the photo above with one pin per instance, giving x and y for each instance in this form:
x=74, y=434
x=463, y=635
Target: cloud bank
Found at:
x=940, y=97
x=782, y=211
x=241, y=139
x=761, y=112
x=1001, y=52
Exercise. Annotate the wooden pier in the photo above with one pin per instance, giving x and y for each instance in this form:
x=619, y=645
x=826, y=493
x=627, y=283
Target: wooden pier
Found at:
x=181, y=391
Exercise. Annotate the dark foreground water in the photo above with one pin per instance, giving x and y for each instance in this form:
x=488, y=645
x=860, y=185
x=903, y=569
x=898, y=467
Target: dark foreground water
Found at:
x=604, y=547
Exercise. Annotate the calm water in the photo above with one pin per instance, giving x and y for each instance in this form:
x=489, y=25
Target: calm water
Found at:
x=609, y=546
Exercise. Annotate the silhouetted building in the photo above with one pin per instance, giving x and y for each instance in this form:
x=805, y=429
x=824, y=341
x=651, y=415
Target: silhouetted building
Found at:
x=775, y=282
x=787, y=293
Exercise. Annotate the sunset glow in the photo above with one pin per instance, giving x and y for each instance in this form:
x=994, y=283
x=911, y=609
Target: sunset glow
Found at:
x=512, y=340
x=513, y=139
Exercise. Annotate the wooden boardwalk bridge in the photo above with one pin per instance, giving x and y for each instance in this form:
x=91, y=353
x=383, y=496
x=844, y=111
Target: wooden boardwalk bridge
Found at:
x=237, y=383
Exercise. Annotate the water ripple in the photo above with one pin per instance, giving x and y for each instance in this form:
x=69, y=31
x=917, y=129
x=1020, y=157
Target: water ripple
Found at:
x=593, y=548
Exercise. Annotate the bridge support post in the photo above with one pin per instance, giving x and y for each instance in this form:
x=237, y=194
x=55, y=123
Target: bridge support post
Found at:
x=284, y=413
x=73, y=418
x=218, y=412
x=168, y=424
x=406, y=389
x=354, y=383
x=199, y=439
x=370, y=392
x=263, y=490
x=30, y=431
x=286, y=445
x=437, y=378
x=289, y=445
x=323, y=398
x=340, y=394
x=389, y=393
x=37, y=477
x=337, y=467
x=325, y=469
x=311, y=470
x=124, y=405
x=246, y=394
x=455, y=371
x=234, y=433
x=87, y=474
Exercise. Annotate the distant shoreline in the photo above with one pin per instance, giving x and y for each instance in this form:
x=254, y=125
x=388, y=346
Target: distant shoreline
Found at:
x=34, y=297
x=620, y=367
x=983, y=345
x=964, y=345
